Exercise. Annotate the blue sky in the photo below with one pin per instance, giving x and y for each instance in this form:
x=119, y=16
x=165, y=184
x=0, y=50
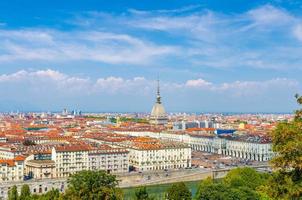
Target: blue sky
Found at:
x=211, y=56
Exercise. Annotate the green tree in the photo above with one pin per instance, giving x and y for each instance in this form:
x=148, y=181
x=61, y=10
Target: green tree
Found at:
x=208, y=190
x=245, y=176
x=13, y=193
x=299, y=111
x=242, y=193
x=53, y=194
x=142, y=194
x=90, y=185
x=25, y=193
x=178, y=191
x=286, y=181
x=225, y=190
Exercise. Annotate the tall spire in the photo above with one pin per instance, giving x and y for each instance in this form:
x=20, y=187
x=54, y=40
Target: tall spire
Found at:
x=158, y=93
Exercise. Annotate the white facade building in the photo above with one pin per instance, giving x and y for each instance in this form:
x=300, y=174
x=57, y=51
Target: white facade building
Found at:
x=12, y=170
x=69, y=159
x=236, y=147
x=159, y=159
x=112, y=160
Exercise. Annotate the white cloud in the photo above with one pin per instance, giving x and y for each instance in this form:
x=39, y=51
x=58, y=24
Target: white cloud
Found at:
x=254, y=39
x=298, y=32
x=243, y=88
x=54, y=45
x=137, y=85
x=269, y=15
x=198, y=83
x=259, y=88
x=114, y=85
x=41, y=79
x=49, y=87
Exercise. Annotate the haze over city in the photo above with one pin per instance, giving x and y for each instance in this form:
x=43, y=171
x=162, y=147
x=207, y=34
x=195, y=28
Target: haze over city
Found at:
x=210, y=56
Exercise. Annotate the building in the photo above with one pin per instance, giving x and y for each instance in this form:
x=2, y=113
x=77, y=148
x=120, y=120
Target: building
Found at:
x=144, y=158
x=183, y=125
x=12, y=169
x=248, y=147
x=112, y=160
x=69, y=159
x=147, y=154
x=36, y=186
x=9, y=152
x=40, y=169
x=158, y=113
x=204, y=139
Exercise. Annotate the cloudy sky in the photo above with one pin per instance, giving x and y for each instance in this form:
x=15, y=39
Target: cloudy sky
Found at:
x=94, y=55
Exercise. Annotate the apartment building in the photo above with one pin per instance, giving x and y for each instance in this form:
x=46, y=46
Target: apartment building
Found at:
x=112, y=160
x=151, y=154
x=12, y=169
x=8, y=151
x=252, y=147
x=69, y=159
x=144, y=159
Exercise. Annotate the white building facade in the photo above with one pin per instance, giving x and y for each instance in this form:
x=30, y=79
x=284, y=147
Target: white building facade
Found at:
x=159, y=159
x=252, y=150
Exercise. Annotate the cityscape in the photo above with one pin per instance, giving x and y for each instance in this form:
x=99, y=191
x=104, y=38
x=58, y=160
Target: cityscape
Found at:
x=44, y=149
x=150, y=100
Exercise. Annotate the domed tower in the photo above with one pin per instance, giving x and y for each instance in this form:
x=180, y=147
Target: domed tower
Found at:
x=158, y=113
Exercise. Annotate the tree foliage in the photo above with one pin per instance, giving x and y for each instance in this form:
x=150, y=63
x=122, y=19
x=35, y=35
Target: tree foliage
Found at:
x=142, y=194
x=13, y=193
x=178, y=191
x=53, y=194
x=90, y=185
x=228, y=189
x=28, y=143
x=25, y=193
x=286, y=182
x=299, y=111
x=245, y=176
x=239, y=183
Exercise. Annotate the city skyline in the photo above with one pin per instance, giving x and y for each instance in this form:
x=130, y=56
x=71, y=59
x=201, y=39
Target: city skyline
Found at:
x=92, y=56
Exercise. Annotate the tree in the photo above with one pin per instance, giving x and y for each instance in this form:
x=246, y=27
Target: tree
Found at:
x=286, y=181
x=28, y=143
x=298, y=113
x=244, y=176
x=208, y=190
x=25, y=193
x=178, y=191
x=13, y=193
x=88, y=185
x=226, y=189
x=142, y=194
x=53, y=194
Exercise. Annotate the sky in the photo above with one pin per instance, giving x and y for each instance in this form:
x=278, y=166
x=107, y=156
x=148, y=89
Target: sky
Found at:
x=105, y=56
